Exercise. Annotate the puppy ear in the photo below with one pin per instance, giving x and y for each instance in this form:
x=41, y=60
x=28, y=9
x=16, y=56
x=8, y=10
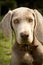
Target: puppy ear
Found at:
x=39, y=26
x=5, y=24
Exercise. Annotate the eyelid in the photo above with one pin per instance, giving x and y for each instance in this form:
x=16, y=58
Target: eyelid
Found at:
x=16, y=21
x=30, y=19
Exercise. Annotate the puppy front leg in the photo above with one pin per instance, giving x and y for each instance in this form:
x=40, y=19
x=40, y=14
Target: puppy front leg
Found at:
x=14, y=59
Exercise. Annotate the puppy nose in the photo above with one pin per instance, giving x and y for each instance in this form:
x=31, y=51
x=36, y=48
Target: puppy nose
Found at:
x=24, y=35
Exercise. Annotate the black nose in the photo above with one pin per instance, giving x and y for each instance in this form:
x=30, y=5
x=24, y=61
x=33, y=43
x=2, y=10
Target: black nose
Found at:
x=24, y=35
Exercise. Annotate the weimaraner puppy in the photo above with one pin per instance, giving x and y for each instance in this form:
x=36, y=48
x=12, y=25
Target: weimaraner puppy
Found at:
x=24, y=22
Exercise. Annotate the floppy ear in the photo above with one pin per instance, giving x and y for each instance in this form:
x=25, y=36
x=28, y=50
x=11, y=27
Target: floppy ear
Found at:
x=5, y=24
x=39, y=26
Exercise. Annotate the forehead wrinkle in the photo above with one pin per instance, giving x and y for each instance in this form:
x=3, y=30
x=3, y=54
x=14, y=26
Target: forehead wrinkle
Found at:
x=16, y=18
x=29, y=16
x=20, y=12
x=26, y=14
x=23, y=14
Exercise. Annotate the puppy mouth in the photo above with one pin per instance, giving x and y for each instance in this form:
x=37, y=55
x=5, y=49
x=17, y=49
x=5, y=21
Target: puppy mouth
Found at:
x=27, y=47
x=25, y=40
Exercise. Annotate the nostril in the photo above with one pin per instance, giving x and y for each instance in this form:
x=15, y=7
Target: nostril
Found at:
x=24, y=35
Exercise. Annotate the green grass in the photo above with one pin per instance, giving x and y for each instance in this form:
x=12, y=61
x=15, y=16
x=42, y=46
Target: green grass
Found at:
x=5, y=49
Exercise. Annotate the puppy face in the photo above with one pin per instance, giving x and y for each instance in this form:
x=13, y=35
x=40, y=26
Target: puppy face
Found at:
x=23, y=25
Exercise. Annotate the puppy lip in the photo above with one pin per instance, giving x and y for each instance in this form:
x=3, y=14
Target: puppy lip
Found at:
x=25, y=40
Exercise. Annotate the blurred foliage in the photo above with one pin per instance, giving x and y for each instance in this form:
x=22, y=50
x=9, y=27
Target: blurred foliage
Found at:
x=31, y=3
x=5, y=5
x=5, y=50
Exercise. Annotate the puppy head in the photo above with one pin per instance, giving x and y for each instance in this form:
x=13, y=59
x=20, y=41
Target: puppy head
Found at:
x=23, y=21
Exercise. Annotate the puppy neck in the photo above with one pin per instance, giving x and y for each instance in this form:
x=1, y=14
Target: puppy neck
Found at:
x=32, y=46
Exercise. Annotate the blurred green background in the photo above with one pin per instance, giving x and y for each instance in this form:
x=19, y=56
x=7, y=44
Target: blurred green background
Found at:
x=5, y=5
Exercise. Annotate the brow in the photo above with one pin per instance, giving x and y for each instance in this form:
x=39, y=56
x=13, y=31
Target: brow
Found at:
x=16, y=18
